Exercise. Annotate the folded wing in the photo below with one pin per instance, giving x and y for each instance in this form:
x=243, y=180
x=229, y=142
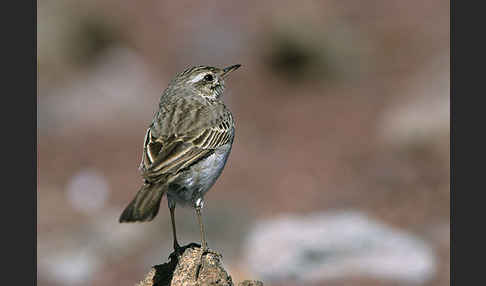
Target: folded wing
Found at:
x=171, y=153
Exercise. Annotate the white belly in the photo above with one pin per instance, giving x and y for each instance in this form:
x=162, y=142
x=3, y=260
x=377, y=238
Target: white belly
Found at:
x=196, y=181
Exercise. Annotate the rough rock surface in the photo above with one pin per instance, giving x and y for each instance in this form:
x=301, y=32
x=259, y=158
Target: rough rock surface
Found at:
x=186, y=270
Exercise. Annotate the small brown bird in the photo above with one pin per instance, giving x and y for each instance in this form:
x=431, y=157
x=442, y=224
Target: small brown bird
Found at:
x=185, y=147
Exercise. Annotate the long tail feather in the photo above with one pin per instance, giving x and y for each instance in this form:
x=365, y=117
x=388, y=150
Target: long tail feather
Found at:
x=145, y=205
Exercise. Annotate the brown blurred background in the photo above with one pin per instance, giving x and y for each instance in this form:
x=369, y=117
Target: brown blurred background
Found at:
x=341, y=107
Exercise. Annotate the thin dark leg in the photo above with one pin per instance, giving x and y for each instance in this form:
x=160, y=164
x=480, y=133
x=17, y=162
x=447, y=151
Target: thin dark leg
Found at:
x=204, y=247
x=203, y=236
x=172, y=218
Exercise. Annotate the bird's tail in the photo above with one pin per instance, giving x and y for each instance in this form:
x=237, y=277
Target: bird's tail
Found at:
x=145, y=205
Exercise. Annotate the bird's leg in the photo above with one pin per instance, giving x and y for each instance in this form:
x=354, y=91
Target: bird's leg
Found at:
x=204, y=247
x=198, y=206
x=174, y=233
x=177, y=248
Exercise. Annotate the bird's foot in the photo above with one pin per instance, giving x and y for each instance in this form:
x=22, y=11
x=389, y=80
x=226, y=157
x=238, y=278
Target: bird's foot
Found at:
x=177, y=254
x=179, y=250
x=207, y=250
x=202, y=252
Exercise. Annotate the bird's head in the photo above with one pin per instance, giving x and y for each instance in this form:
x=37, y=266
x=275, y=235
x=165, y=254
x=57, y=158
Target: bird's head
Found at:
x=207, y=81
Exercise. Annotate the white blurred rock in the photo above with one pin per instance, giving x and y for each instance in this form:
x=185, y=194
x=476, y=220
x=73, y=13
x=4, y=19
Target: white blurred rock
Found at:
x=327, y=246
x=87, y=191
x=71, y=268
x=422, y=113
x=74, y=255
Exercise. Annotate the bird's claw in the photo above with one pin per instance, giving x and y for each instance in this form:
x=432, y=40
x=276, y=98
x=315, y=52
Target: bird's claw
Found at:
x=203, y=252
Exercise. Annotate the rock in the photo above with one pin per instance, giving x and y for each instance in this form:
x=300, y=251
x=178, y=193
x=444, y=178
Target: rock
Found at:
x=186, y=270
x=329, y=246
x=421, y=114
x=250, y=283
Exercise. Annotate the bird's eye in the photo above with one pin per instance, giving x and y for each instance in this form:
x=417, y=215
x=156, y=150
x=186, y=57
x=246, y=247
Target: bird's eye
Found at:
x=208, y=77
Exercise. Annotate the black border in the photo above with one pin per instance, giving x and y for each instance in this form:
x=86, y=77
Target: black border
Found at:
x=467, y=159
x=19, y=134
x=34, y=111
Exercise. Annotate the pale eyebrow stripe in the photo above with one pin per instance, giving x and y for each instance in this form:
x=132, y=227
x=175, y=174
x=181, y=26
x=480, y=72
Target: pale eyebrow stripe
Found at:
x=198, y=77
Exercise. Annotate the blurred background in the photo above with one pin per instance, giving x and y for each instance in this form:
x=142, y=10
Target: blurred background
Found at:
x=339, y=172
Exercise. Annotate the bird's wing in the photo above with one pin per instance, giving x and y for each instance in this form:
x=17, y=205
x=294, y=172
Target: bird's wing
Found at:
x=168, y=154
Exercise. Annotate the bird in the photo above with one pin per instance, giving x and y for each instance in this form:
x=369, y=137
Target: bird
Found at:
x=185, y=147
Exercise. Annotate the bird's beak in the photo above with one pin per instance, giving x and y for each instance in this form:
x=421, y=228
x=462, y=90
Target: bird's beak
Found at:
x=229, y=69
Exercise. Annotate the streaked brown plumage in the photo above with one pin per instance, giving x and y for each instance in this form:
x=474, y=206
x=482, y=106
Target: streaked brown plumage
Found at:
x=186, y=145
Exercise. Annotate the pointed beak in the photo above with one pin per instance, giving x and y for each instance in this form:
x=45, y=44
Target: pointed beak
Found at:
x=228, y=70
